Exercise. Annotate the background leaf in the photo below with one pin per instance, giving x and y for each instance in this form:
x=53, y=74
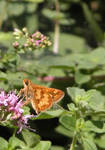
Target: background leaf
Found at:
x=3, y=144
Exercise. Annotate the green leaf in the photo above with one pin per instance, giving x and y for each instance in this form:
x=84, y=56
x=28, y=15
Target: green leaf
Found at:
x=6, y=38
x=43, y=145
x=3, y=144
x=57, y=61
x=81, y=78
x=101, y=141
x=15, y=78
x=62, y=130
x=57, y=148
x=97, y=56
x=3, y=76
x=3, y=14
x=96, y=100
x=83, y=61
x=49, y=114
x=26, y=110
x=51, y=14
x=68, y=121
x=96, y=126
x=88, y=144
x=75, y=93
x=67, y=43
x=32, y=23
x=30, y=138
x=31, y=7
x=15, y=142
x=72, y=107
x=15, y=9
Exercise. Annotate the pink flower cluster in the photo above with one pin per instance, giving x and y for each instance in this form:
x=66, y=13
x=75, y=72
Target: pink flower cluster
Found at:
x=31, y=42
x=11, y=110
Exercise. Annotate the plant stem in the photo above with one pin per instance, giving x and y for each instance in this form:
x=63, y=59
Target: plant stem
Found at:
x=14, y=133
x=72, y=147
x=57, y=30
x=56, y=39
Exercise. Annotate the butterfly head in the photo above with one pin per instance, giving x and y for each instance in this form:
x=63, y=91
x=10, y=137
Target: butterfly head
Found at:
x=26, y=82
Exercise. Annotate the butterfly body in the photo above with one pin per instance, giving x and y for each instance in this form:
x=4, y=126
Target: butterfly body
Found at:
x=41, y=98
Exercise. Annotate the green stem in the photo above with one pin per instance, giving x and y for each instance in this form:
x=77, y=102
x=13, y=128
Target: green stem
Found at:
x=56, y=39
x=72, y=147
x=57, y=30
x=14, y=133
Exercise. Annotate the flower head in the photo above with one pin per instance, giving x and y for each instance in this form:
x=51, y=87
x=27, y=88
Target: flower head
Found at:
x=31, y=42
x=11, y=106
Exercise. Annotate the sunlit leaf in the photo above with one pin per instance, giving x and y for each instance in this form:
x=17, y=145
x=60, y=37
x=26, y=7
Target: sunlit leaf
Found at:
x=43, y=145
x=88, y=144
x=68, y=121
x=49, y=114
x=3, y=144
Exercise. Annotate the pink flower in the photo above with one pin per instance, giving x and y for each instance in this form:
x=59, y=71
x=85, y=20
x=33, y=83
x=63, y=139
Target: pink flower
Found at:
x=10, y=104
x=37, y=42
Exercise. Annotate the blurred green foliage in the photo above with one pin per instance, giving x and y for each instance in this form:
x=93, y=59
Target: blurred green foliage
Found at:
x=76, y=59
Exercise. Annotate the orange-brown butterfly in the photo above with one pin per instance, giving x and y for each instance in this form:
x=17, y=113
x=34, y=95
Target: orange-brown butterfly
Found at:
x=41, y=98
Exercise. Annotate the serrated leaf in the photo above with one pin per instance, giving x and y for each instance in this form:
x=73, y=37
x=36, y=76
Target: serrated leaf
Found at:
x=68, y=121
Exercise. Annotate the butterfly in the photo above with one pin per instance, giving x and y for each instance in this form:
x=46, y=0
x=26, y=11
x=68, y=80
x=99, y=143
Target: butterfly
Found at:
x=41, y=98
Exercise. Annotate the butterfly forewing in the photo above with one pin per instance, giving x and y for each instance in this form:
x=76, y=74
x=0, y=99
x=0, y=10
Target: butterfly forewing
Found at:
x=57, y=95
x=42, y=97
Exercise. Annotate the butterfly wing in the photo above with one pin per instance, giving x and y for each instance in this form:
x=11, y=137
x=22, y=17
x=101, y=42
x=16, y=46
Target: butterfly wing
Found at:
x=44, y=97
x=56, y=94
x=42, y=100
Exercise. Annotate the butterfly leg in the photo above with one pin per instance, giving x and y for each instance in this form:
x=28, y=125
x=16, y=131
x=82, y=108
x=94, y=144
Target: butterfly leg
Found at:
x=27, y=101
x=21, y=92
